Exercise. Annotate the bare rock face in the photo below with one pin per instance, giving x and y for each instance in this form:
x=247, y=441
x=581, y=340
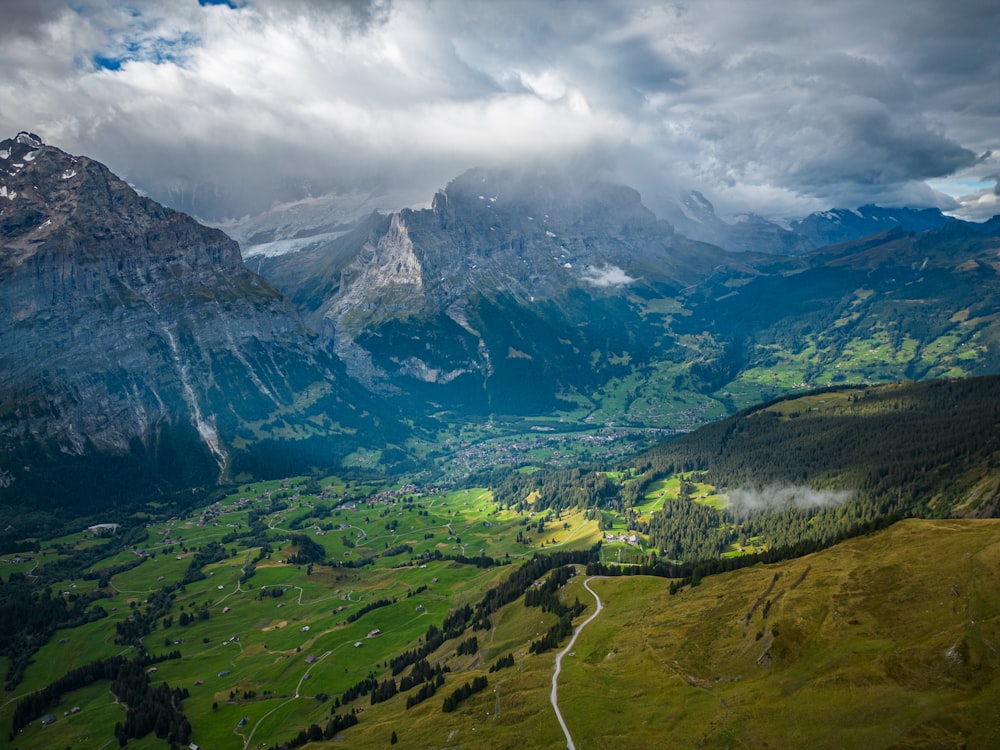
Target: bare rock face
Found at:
x=501, y=283
x=128, y=329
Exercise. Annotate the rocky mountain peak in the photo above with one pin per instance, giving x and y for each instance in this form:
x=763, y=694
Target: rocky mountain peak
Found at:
x=456, y=294
x=129, y=329
x=28, y=139
x=56, y=202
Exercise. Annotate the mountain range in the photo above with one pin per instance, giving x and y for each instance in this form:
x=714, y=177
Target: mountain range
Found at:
x=610, y=311
x=140, y=356
x=814, y=570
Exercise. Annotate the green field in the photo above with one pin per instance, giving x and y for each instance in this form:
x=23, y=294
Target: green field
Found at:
x=303, y=588
x=278, y=645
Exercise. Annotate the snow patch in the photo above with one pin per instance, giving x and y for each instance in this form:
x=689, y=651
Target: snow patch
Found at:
x=28, y=139
x=282, y=247
x=11, y=195
x=696, y=207
x=549, y=233
x=4, y=153
x=605, y=276
x=30, y=156
x=68, y=173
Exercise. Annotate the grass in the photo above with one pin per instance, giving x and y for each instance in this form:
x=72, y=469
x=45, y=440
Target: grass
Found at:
x=854, y=646
x=852, y=665
x=262, y=641
x=860, y=659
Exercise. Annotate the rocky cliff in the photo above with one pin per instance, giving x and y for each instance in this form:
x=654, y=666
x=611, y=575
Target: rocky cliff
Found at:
x=508, y=278
x=528, y=293
x=131, y=332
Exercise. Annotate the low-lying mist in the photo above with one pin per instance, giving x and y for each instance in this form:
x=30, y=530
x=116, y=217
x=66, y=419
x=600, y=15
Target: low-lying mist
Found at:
x=743, y=501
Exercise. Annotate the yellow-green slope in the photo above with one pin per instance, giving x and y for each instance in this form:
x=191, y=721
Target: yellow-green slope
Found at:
x=885, y=641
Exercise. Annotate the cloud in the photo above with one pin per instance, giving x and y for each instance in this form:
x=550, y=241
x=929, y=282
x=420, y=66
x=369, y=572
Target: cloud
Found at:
x=606, y=276
x=743, y=501
x=224, y=108
x=28, y=17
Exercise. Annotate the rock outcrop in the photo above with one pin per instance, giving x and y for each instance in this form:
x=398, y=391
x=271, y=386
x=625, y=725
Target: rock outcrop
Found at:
x=130, y=330
x=503, y=281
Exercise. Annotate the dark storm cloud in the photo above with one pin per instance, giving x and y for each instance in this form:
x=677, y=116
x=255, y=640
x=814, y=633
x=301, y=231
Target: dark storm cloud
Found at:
x=776, y=108
x=19, y=18
x=354, y=15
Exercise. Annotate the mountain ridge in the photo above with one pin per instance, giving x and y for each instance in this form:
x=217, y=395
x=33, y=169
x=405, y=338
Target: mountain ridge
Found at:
x=133, y=332
x=517, y=277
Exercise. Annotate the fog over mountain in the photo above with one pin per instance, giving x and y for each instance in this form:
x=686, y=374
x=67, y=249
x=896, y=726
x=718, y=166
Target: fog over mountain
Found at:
x=224, y=108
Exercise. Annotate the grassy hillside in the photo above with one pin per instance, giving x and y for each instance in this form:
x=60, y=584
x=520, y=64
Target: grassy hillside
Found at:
x=888, y=640
x=891, y=640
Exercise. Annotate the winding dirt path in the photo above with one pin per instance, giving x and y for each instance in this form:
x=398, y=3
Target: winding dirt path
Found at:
x=555, y=676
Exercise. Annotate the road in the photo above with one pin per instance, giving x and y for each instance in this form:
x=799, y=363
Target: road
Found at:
x=555, y=676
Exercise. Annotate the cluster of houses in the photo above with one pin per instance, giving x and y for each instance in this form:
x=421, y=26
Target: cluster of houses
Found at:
x=632, y=539
x=16, y=560
x=385, y=497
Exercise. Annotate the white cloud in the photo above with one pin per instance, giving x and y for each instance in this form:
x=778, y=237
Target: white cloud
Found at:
x=606, y=276
x=774, y=109
x=745, y=500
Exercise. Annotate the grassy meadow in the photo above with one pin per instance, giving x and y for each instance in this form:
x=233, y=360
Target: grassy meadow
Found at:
x=280, y=644
x=887, y=640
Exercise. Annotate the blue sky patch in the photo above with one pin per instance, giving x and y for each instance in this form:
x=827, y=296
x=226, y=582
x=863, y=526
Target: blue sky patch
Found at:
x=958, y=187
x=157, y=50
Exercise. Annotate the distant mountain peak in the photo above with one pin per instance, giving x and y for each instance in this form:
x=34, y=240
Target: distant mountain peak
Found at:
x=838, y=225
x=29, y=139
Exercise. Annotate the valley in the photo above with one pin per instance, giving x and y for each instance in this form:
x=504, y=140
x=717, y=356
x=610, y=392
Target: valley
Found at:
x=285, y=610
x=269, y=643
x=355, y=498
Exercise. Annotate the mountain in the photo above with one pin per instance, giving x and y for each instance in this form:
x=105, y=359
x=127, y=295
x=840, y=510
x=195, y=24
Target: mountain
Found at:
x=840, y=225
x=138, y=355
x=694, y=216
x=900, y=305
x=135, y=336
x=509, y=278
x=613, y=316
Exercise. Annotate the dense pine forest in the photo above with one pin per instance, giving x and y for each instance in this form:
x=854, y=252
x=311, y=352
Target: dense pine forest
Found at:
x=806, y=469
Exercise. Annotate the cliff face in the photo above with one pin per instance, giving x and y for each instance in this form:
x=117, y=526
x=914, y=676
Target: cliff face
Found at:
x=503, y=282
x=534, y=293
x=129, y=329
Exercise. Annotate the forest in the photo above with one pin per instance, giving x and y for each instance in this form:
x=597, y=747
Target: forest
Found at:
x=805, y=469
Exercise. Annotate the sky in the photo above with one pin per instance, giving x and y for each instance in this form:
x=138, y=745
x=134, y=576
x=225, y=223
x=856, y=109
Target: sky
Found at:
x=222, y=108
